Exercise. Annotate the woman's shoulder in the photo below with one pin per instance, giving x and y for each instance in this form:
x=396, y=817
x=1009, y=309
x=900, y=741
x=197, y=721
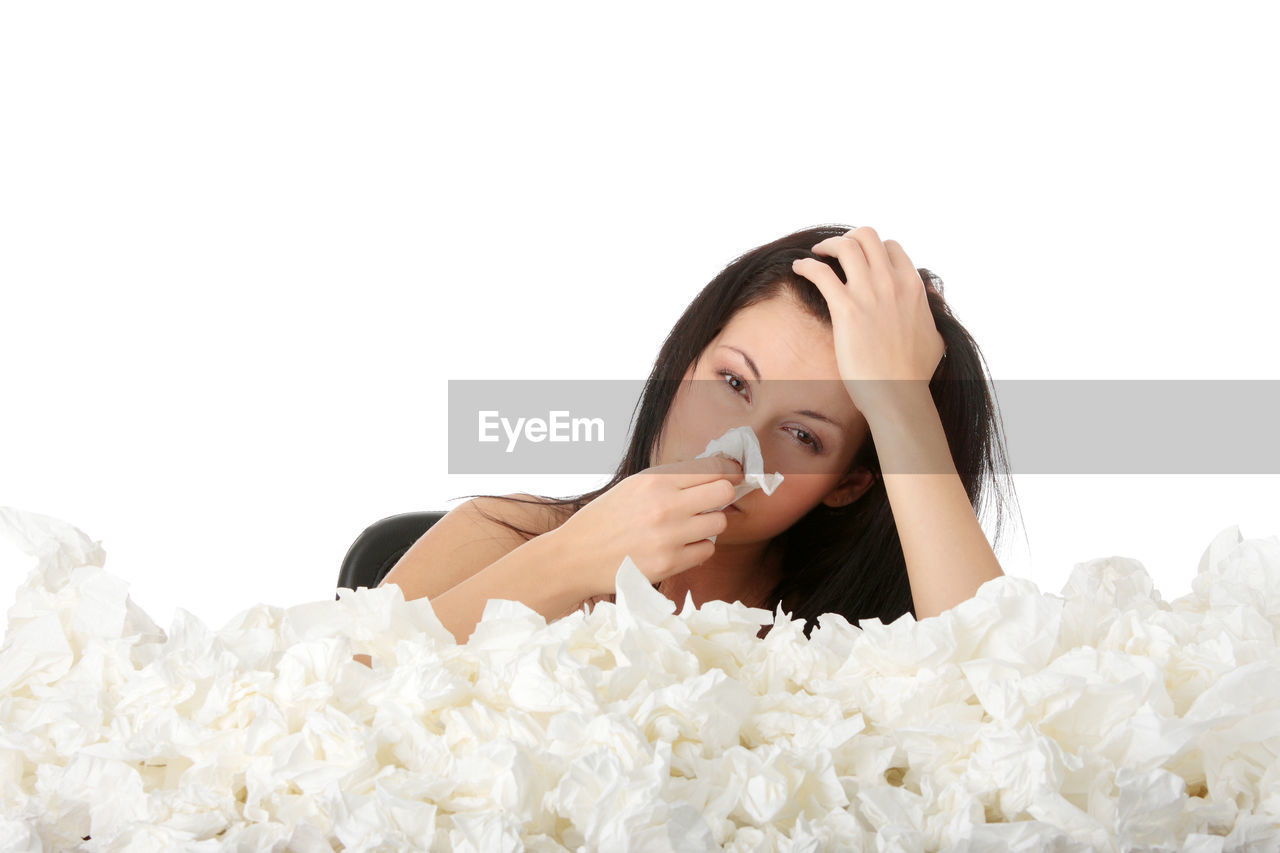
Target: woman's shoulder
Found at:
x=528, y=512
x=542, y=514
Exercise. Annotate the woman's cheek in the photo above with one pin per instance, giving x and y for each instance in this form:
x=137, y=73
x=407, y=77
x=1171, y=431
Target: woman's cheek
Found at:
x=796, y=496
x=776, y=507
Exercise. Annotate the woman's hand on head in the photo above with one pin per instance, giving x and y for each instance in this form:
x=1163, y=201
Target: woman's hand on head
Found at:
x=659, y=517
x=886, y=339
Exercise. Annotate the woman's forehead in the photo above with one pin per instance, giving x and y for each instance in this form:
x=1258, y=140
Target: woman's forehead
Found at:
x=779, y=343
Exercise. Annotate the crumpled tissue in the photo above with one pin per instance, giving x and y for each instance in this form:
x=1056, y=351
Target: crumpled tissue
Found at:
x=1101, y=719
x=742, y=445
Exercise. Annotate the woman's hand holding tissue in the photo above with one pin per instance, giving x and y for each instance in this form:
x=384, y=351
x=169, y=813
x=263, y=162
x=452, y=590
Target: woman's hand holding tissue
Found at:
x=660, y=517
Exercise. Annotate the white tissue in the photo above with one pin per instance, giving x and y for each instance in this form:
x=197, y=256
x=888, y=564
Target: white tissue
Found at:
x=1102, y=719
x=741, y=444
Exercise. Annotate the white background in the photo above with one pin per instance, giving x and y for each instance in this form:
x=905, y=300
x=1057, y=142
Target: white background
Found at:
x=244, y=246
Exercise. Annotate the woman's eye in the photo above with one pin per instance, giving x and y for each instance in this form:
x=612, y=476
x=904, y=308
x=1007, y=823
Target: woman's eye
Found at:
x=731, y=377
x=813, y=444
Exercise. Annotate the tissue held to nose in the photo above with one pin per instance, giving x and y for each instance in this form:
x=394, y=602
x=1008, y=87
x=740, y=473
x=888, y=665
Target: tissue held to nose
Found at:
x=740, y=443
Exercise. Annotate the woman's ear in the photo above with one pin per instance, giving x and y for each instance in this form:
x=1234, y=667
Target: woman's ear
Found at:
x=850, y=488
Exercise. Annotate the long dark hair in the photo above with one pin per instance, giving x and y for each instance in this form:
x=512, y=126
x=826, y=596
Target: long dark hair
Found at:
x=846, y=560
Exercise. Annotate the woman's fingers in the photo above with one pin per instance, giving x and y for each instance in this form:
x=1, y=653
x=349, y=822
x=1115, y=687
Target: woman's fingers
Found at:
x=707, y=524
x=696, y=553
x=697, y=472
x=706, y=496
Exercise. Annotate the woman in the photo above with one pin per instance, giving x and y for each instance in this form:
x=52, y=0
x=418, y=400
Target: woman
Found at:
x=850, y=530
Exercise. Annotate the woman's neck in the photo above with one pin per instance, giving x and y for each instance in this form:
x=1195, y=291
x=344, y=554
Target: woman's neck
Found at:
x=746, y=573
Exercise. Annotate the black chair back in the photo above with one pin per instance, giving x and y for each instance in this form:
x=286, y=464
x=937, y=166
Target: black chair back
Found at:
x=381, y=546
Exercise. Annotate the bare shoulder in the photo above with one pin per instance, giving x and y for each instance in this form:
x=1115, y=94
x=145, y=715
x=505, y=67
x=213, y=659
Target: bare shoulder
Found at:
x=528, y=512
x=468, y=538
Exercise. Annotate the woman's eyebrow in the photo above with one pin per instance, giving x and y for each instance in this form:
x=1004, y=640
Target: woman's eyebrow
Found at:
x=808, y=413
x=750, y=363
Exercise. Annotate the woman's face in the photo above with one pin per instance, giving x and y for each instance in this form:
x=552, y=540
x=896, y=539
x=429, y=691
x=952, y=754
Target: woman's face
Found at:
x=796, y=403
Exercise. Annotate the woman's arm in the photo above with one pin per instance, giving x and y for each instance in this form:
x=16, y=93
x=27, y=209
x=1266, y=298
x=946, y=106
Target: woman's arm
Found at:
x=947, y=553
x=888, y=348
x=538, y=573
x=465, y=541
x=465, y=544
